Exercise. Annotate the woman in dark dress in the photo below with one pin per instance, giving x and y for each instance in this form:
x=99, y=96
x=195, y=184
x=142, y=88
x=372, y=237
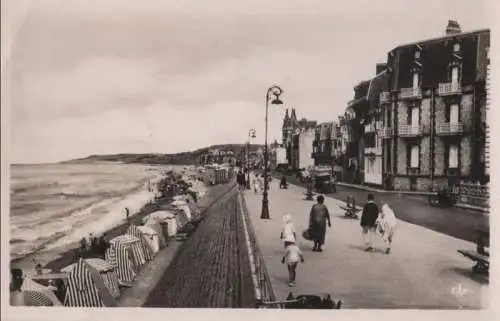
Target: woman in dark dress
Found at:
x=318, y=218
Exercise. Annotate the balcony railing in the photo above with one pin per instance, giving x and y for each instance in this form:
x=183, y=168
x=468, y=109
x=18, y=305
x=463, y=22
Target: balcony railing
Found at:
x=449, y=129
x=449, y=88
x=373, y=151
x=409, y=130
x=369, y=128
x=411, y=93
x=385, y=132
x=385, y=97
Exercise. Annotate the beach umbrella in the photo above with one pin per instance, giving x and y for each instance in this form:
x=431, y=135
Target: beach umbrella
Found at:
x=86, y=288
x=107, y=272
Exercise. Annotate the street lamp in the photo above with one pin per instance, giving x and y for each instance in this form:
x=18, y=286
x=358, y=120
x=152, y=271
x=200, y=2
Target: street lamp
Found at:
x=276, y=92
x=251, y=134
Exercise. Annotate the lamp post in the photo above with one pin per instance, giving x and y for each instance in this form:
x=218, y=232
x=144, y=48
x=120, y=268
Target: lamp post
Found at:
x=276, y=92
x=251, y=134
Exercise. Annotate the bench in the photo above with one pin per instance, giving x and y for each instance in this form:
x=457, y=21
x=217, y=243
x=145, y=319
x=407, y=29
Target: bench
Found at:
x=482, y=261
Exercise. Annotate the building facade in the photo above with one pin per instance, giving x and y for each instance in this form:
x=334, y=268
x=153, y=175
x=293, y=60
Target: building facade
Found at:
x=434, y=106
x=291, y=133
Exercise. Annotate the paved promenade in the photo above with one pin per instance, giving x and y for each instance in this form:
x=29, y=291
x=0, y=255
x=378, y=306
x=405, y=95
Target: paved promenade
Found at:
x=423, y=270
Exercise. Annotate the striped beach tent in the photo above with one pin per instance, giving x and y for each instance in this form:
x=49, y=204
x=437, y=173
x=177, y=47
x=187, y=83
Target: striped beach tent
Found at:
x=107, y=272
x=35, y=294
x=86, y=288
x=134, y=231
x=120, y=257
x=133, y=245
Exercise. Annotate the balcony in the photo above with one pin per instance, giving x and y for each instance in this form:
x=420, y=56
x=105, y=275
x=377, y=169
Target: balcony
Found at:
x=449, y=129
x=385, y=132
x=369, y=128
x=409, y=130
x=411, y=93
x=373, y=151
x=385, y=97
x=449, y=88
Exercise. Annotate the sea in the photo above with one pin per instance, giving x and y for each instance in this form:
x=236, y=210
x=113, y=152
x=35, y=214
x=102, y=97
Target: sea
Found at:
x=53, y=205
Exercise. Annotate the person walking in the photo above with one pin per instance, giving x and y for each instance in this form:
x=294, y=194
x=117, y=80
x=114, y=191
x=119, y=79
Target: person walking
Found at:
x=368, y=221
x=318, y=218
x=288, y=233
x=291, y=258
x=386, y=224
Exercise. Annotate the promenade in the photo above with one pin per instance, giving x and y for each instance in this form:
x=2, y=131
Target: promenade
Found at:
x=423, y=270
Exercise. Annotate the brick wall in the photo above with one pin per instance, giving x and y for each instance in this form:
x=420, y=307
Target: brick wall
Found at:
x=466, y=108
x=401, y=157
x=401, y=183
x=425, y=156
x=465, y=155
x=425, y=118
x=402, y=113
x=440, y=110
x=439, y=161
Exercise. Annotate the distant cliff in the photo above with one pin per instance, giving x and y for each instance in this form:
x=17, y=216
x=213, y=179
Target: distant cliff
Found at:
x=184, y=158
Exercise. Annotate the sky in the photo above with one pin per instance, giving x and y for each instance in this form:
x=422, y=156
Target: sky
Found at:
x=159, y=76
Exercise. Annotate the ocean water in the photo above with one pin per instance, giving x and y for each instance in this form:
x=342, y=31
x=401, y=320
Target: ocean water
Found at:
x=55, y=205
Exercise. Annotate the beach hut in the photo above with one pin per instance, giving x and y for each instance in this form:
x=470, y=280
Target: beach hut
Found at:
x=156, y=225
x=165, y=217
x=107, y=272
x=86, y=288
x=151, y=237
x=134, y=231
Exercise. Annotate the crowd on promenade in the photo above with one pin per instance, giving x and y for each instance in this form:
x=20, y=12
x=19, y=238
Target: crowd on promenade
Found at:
x=103, y=265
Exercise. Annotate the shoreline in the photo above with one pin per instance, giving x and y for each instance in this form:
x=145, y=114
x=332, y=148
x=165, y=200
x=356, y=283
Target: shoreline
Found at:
x=58, y=258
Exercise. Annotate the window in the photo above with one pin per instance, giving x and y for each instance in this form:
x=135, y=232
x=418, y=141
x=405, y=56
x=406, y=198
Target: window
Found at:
x=454, y=114
x=453, y=156
x=415, y=80
x=415, y=116
x=456, y=47
x=454, y=75
x=417, y=54
x=414, y=155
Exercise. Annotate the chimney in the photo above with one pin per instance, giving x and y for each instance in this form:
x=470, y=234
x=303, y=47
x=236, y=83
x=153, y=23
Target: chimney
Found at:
x=380, y=67
x=453, y=28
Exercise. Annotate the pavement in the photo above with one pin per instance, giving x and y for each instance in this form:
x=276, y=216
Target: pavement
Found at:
x=423, y=271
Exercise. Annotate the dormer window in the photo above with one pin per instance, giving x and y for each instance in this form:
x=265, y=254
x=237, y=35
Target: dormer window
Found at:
x=456, y=47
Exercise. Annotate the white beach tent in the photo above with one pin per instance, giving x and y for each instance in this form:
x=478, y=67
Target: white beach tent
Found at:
x=182, y=205
x=165, y=216
x=134, y=231
x=107, y=272
x=151, y=237
x=157, y=227
x=86, y=288
x=36, y=294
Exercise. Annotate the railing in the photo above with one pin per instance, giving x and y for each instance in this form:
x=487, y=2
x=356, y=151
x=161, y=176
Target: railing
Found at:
x=449, y=88
x=373, y=151
x=385, y=132
x=385, y=97
x=408, y=93
x=369, y=128
x=264, y=290
x=409, y=130
x=449, y=129
x=472, y=194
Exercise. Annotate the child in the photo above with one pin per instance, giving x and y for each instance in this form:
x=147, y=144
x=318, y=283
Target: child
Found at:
x=292, y=255
x=288, y=233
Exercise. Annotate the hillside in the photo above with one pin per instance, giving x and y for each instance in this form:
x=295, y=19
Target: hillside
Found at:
x=184, y=158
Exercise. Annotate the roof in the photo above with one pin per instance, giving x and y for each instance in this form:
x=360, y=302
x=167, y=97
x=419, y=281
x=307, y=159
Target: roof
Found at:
x=442, y=38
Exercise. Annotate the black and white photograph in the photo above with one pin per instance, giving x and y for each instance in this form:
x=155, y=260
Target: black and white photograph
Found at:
x=263, y=155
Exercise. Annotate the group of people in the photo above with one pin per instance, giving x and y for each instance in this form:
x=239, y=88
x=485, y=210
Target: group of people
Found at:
x=374, y=221
x=93, y=246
